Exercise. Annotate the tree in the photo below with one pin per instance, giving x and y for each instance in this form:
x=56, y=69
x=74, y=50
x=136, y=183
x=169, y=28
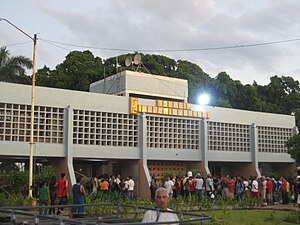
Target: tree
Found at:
x=227, y=91
x=77, y=72
x=198, y=80
x=281, y=95
x=44, y=175
x=293, y=145
x=154, y=64
x=13, y=69
x=159, y=64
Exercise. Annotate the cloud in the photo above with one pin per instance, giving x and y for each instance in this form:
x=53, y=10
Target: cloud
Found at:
x=175, y=24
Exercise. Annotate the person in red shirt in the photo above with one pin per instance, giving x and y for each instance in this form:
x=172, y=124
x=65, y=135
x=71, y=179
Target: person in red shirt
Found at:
x=231, y=183
x=62, y=192
x=269, y=191
x=193, y=186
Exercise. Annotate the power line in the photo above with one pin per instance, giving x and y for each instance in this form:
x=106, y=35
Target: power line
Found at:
x=175, y=50
x=86, y=47
x=51, y=43
x=160, y=80
x=20, y=43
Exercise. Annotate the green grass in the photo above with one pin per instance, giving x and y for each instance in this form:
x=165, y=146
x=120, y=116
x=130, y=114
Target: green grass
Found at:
x=249, y=217
x=221, y=215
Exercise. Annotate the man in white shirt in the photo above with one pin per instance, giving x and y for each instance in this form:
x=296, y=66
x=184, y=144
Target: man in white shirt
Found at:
x=199, y=185
x=130, y=188
x=169, y=187
x=209, y=185
x=118, y=183
x=254, y=189
x=162, y=212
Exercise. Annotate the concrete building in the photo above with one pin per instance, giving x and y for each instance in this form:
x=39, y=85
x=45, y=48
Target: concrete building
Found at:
x=142, y=132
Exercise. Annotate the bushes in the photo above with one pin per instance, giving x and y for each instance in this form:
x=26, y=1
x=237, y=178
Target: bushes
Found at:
x=17, y=181
x=45, y=175
x=12, y=200
x=16, y=185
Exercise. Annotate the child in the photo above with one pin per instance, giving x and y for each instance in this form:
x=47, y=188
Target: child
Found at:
x=44, y=197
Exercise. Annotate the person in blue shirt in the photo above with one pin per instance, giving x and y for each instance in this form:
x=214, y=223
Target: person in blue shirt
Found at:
x=78, y=194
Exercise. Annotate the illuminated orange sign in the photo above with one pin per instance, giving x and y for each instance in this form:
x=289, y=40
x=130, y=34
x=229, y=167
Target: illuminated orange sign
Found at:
x=167, y=108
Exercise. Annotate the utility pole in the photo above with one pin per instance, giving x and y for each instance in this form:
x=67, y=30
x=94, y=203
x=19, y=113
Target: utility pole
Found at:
x=31, y=143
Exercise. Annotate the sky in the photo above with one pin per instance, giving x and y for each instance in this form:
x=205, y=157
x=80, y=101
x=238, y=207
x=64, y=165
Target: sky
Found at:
x=107, y=27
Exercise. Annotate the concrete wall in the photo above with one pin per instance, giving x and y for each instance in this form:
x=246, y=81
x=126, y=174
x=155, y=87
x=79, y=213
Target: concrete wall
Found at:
x=61, y=154
x=249, y=117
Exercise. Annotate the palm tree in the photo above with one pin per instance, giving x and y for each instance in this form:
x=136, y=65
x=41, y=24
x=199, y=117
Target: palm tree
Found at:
x=13, y=69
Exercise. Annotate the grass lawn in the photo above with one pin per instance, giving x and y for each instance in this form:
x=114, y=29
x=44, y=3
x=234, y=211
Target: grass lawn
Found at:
x=251, y=217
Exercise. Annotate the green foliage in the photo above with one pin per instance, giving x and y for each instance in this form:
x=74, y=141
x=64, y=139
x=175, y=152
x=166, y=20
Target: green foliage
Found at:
x=221, y=202
x=102, y=210
x=45, y=175
x=159, y=65
x=77, y=72
x=18, y=181
x=109, y=210
x=7, y=166
x=11, y=200
x=220, y=211
x=15, y=182
x=13, y=69
x=12, y=180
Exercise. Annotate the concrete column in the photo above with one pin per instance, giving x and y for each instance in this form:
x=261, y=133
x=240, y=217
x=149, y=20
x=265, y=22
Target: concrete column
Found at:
x=69, y=144
x=144, y=175
x=65, y=165
x=204, y=144
x=254, y=147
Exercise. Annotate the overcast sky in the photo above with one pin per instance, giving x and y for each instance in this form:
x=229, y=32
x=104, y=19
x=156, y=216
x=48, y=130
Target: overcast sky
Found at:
x=163, y=25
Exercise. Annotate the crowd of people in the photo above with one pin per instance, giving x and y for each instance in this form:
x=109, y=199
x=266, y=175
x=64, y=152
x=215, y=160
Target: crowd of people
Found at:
x=50, y=193
x=110, y=184
x=267, y=190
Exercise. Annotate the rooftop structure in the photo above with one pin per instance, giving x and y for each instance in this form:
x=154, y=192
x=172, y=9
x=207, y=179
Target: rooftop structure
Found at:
x=129, y=83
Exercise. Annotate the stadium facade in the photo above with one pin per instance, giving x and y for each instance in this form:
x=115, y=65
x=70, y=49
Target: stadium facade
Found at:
x=140, y=125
